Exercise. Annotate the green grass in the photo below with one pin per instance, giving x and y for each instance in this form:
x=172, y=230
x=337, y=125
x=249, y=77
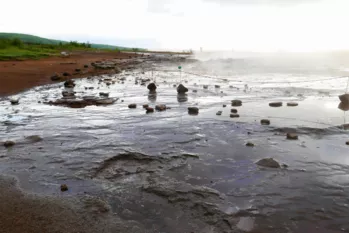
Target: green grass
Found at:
x=21, y=46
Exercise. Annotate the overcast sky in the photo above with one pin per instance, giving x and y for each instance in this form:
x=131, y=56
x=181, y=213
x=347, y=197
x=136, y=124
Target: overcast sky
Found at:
x=253, y=25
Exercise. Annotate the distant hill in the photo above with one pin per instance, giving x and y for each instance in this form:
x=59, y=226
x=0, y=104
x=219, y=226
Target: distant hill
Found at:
x=30, y=39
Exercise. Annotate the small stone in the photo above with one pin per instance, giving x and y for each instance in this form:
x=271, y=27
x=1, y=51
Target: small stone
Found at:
x=55, y=77
x=160, y=107
x=104, y=94
x=85, y=66
x=77, y=70
x=268, y=162
x=284, y=166
x=265, y=122
x=108, y=83
x=219, y=113
x=181, y=89
x=224, y=105
x=14, y=101
x=292, y=136
x=64, y=187
x=66, y=74
x=193, y=110
x=233, y=110
x=149, y=110
x=275, y=104
x=145, y=105
x=132, y=106
x=292, y=104
x=234, y=115
x=217, y=86
x=152, y=87
x=69, y=84
x=8, y=144
x=236, y=103
x=347, y=143
x=250, y=144
x=195, y=91
x=205, y=86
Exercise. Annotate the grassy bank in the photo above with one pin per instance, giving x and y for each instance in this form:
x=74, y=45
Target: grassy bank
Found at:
x=14, y=48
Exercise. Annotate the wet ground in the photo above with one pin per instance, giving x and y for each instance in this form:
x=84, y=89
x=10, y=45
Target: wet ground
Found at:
x=173, y=172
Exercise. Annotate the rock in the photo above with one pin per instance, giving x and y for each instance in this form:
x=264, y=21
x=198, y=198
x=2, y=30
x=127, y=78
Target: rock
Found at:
x=347, y=143
x=343, y=106
x=34, y=139
x=268, y=162
x=195, y=91
x=236, y=103
x=69, y=83
x=205, y=86
x=68, y=93
x=344, y=98
x=117, y=70
x=145, y=105
x=265, y=122
x=64, y=187
x=275, y=104
x=217, y=86
x=77, y=70
x=182, y=89
x=292, y=136
x=233, y=115
x=66, y=74
x=105, y=101
x=292, y=104
x=233, y=110
x=224, y=105
x=149, y=110
x=132, y=106
x=8, y=144
x=219, y=113
x=14, y=101
x=104, y=94
x=151, y=87
x=108, y=83
x=85, y=66
x=55, y=77
x=160, y=107
x=193, y=110
x=250, y=144
x=174, y=85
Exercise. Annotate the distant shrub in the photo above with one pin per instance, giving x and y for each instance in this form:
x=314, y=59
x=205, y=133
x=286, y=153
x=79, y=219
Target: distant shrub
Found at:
x=17, y=42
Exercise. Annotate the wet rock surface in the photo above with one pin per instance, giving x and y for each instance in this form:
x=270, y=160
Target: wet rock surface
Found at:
x=132, y=106
x=275, y=104
x=234, y=110
x=292, y=104
x=265, y=122
x=269, y=163
x=233, y=115
x=181, y=89
x=236, y=103
x=160, y=107
x=152, y=87
x=193, y=110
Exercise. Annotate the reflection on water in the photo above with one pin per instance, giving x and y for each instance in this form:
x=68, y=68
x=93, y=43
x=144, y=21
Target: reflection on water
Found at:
x=193, y=171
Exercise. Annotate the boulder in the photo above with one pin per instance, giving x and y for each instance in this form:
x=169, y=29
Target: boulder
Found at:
x=193, y=110
x=292, y=136
x=14, y=101
x=151, y=87
x=69, y=84
x=233, y=110
x=292, y=104
x=219, y=113
x=233, y=115
x=344, y=98
x=149, y=110
x=268, y=162
x=265, y=122
x=64, y=187
x=104, y=94
x=250, y=144
x=275, y=104
x=236, y=103
x=132, y=106
x=8, y=144
x=181, y=89
x=160, y=107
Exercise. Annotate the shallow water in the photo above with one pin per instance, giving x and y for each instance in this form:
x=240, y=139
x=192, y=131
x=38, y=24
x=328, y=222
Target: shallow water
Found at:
x=80, y=147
